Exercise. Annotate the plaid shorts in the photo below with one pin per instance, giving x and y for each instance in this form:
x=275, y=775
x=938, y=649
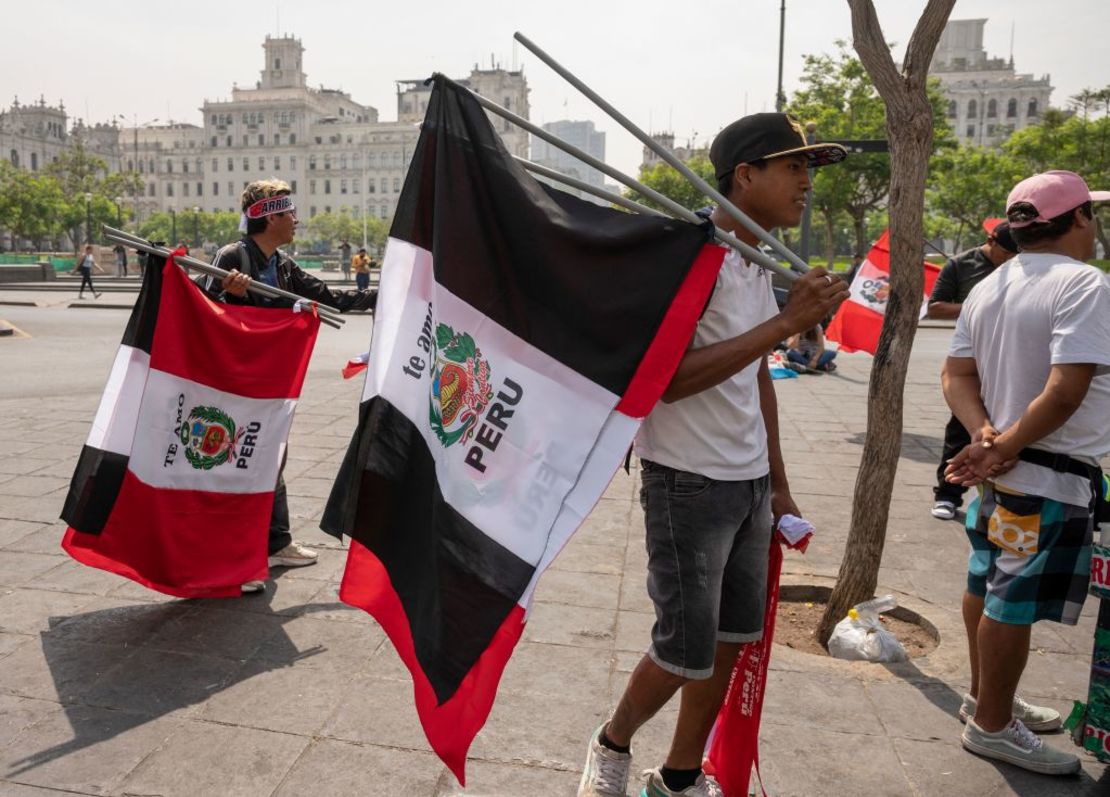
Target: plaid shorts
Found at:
x=1030, y=556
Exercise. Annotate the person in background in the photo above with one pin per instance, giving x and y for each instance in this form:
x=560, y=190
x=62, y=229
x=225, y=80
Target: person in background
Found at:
x=807, y=352
x=960, y=274
x=84, y=266
x=121, y=260
x=361, y=265
x=857, y=261
x=1027, y=372
x=345, y=260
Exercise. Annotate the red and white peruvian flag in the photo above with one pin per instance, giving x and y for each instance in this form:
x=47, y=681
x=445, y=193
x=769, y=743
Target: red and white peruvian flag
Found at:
x=174, y=486
x=858, y=322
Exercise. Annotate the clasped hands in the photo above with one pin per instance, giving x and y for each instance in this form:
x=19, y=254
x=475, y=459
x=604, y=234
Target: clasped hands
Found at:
x=982, y=460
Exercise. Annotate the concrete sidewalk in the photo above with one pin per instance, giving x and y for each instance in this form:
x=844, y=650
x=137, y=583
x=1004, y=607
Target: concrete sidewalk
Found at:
x=107, y=688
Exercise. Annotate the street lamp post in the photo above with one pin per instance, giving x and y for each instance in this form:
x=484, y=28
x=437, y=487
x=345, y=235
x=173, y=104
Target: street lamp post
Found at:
x=173, y=227
x=807, y=214
x=88, y=217
x=780, y=97
x=196, y=227
x=119, y=212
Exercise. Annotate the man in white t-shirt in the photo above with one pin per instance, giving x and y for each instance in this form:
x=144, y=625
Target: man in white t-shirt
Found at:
x=713, y=475
x=1027, y=375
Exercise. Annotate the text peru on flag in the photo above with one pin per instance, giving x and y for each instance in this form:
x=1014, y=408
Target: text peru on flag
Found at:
x=521, y=336
x=858, y=322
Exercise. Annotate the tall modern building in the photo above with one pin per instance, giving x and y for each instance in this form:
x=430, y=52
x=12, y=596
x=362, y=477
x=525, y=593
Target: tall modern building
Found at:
x=581, y=134
x=987, y=98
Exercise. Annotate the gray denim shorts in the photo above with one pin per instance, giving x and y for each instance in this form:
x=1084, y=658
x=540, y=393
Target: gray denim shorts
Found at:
x=708, y=542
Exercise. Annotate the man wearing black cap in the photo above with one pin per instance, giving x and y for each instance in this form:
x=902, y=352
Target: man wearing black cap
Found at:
x=713, y=475
x=960, y=274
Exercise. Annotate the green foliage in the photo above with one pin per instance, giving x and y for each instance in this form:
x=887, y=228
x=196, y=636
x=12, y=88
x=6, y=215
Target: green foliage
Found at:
x=217, y=228
x=667, y=181
x=30, y=205
x=324, y=231
x=838, y=96
x=967, y=185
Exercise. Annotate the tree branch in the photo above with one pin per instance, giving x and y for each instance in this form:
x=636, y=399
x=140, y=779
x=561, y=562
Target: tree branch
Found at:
x=871, y=46
x=923, y=42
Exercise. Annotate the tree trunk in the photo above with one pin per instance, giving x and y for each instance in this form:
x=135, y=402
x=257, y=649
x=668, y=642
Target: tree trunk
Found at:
x=1100, y=231
x=830, y=240
x=910, y=131
x=859, y=223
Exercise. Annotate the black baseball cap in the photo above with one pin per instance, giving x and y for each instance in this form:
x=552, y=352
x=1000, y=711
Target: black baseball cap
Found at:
x=762, y=136
x=1002, y=236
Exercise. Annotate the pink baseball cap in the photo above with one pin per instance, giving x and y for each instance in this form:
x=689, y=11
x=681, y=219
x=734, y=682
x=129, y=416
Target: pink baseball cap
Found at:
x=1050, y=194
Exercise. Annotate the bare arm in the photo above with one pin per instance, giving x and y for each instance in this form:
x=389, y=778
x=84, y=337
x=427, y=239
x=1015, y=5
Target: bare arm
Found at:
x=945, y=310
x=812, y=297
x=1063, y=394
x=988, y=456
x=781, y=501
x=962, y=390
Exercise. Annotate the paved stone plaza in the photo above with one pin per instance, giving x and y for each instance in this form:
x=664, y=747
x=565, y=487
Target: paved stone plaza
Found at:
x=108, y=688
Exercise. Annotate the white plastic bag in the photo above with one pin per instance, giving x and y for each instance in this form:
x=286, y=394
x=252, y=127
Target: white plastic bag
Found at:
x=861, y=637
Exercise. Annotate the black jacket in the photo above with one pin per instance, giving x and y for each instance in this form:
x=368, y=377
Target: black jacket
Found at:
x=291, y=277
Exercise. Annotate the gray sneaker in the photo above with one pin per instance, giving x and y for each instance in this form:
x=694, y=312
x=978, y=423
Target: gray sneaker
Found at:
x=944, y=510
x=606, y=771
x=1035, y=718
x=293, y=555
x=1015, y=744
x=253, y=587
x=655, y=787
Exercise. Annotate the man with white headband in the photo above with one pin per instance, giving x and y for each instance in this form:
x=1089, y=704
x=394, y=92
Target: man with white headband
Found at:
x=269, y=220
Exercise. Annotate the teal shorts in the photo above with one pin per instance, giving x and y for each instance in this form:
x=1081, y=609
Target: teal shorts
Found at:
x=1030, y=556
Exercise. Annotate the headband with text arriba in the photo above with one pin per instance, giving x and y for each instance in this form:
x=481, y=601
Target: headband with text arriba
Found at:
x=270, y=205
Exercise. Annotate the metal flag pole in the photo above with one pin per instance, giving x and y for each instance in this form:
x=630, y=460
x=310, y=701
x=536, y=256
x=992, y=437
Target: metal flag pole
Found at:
x=667, y=156
x=582, y=185
x=727, y=238
x=260, y=288
x=752, y=254
x=327, y=315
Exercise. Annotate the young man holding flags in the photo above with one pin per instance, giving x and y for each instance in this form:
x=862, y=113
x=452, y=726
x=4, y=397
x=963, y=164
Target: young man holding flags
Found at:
x=713, y=474
x=270, y=220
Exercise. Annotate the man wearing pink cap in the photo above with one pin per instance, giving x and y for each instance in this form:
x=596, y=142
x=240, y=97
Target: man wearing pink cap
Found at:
x=1028, y=373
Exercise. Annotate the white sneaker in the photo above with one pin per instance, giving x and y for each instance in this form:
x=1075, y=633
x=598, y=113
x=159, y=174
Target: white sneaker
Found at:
x=606, y=771
x=1015, y=744
x=655, y=787
x=1035, y=718
x=944, y=510
x=293, y=555
x=253, y=587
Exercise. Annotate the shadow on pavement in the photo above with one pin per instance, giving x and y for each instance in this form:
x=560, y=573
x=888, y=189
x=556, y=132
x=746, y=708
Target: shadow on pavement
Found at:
x=915, y=447
x=116, y=669
x=1020, y=781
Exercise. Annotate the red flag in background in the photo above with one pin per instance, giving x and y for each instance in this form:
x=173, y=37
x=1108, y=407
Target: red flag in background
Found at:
x=175, y=484
x=859, y=320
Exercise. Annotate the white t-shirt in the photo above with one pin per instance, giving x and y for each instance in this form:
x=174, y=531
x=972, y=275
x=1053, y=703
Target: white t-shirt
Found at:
x=719, y=432
x=1036, y=311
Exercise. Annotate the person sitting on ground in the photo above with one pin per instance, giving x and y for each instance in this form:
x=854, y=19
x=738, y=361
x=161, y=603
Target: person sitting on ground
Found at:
x=807, y=351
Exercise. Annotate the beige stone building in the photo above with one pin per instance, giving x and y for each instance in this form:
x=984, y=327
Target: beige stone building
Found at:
x=334, y=151
x=987, y=98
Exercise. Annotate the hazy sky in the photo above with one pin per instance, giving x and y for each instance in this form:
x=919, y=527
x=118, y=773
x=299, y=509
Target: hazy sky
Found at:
x=691, y=68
